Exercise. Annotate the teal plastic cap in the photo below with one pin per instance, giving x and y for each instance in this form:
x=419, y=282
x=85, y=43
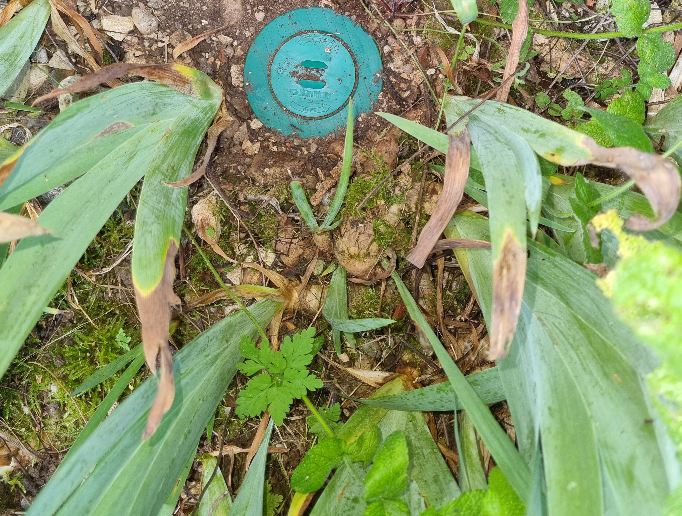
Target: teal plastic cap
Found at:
x=303, y=68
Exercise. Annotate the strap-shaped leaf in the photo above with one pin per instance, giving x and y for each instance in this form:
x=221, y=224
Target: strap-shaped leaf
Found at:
x=583, y=375
x=115, y=464
x=118, y=136
x=18, y=38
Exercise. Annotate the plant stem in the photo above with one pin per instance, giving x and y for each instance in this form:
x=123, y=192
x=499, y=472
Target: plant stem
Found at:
x=612, y=194
x=318, y=416
x=598, y=35
x=672, y=149
x=225, y=287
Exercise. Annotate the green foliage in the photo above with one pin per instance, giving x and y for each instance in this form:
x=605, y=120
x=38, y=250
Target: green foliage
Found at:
x=319, y=461
x=629, y=106
x=631, y=15
x=330, y=415
x=285, y=379
x=655, y=56
x=573, y=109
x=273, y=501
x=542, y=100
x=611, y=86
x=365, y=446
x=387, y=478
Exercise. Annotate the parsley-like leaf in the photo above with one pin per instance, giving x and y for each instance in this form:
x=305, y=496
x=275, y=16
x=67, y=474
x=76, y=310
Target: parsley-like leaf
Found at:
x=285, y=379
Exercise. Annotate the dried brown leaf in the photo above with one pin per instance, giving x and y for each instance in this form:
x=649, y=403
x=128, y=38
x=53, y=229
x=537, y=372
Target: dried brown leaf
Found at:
x=658, y=179
x=509, y=276
x=10, y=9
x=221, y=122
x=446, y=65
x=193, y=42
x=14, y=227
x=60, y=28
x=456, y=174
x=81, y=23
x=7, y=167
x=519, y=32
x=155, y=316
x=164, y=74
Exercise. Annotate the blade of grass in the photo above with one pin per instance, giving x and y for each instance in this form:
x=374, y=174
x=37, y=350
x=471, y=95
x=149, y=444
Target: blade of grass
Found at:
x=497, y=441
x=345, y=171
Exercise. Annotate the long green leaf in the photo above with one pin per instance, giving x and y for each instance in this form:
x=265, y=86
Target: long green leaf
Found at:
x=501, y=448
x=115, y=464
x=439, y=397
x=336, y=306
x=112, y=396
x=345, y=171
x=507, y=226
x=298, y=194
x=249, y=500
x=110, y=166
x=357, y=325
x=107, y=371
x=18, y=38
x=215, y=501
x=583, y=371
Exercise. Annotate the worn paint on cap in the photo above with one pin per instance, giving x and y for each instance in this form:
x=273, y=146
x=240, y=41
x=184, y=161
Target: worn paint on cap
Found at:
x=305, y=65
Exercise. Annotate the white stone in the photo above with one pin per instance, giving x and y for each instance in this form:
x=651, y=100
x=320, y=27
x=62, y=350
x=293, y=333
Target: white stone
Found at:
x=60, y=61
x=145, y=21
x=41, y=56
x=156, y=4
x=225, y=40
x=255, y=124
x=67, y=99
x=117, y=27
x=36, y=78
x=260, y=15
x=237, y=74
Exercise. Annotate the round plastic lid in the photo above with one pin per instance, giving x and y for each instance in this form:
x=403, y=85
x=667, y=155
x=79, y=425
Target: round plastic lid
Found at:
x=305, y=65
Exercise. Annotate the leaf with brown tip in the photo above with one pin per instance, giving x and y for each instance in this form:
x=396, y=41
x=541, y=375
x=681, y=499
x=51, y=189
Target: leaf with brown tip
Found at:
x=519, y=32
x=509, y=274
x=15, y=227
x=155, y=316
x=657, y=177
x=170, y=75
x=456, y=174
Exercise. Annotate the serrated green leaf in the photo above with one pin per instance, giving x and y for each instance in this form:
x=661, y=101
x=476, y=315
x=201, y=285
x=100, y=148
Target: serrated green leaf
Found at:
x=501, y=500
x=387, y=478
x=297, y=351
x=280, y=400
x=392, y=507
x=542, y=99
x=365, y=446
x=629, y=104
x=655, y=52
x=631, y=15
x=330, y=415
x=621, y=130
x=315, y=467
x=584, y=191
x=248, y=350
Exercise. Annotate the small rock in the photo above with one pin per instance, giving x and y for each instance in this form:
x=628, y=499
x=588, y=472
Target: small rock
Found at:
x=178, y=37
x=256, y=124
x=130, y=57
x=156, y=4
x=260, y=15
x=37, y=78
x=242, y=134
x=67, y=99
x=237, y=74
x=60, y=61
x=225, y=40
x=117, y=27
x=250, y=149
x=41, y=56
x=145, y=21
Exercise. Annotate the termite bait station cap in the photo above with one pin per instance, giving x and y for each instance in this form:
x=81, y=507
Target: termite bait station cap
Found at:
x=305, y=65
